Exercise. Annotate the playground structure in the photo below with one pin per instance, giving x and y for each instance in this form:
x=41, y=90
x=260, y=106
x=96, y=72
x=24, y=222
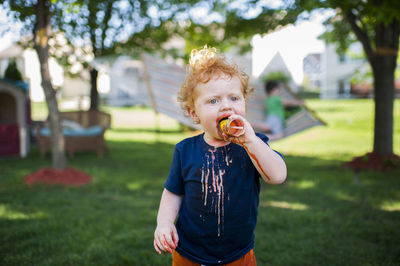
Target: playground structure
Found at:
x=15, y=118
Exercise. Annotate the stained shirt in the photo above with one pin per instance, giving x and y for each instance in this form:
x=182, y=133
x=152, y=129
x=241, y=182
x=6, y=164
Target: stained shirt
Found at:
x=220, y=188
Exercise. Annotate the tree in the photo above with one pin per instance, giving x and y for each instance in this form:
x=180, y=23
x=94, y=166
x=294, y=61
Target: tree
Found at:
x=110, y=27
x=374, y=23
x=107, y=26
x=36, y=18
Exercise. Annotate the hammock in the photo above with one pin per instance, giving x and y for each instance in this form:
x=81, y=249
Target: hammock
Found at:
x=163, y=81
x=301, y=120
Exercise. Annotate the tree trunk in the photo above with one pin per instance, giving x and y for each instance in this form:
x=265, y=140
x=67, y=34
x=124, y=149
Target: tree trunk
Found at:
x=42, y=32
x=94, y=95
x=384, y=100
x=383, y=67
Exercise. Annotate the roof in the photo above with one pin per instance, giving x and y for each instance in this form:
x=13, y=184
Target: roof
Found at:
x=13, y=50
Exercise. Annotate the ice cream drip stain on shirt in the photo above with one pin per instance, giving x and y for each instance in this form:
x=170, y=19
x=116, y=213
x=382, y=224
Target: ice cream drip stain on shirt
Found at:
x=212, y=181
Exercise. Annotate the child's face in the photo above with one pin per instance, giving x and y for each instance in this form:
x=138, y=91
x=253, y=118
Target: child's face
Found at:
x=218, y=98
x=276, y=90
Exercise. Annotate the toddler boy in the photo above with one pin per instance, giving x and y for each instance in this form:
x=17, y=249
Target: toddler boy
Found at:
x=214, y=180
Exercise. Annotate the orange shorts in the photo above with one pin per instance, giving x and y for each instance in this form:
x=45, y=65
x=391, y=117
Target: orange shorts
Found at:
x=247, y=260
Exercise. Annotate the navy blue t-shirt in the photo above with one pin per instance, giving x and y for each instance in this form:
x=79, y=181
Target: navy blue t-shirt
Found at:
x=220, y=188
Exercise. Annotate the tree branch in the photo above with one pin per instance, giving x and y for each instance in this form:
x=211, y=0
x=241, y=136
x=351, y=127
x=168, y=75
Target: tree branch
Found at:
x=362, y=36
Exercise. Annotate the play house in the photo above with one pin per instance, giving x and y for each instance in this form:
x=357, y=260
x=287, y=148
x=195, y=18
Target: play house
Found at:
x=14, y=118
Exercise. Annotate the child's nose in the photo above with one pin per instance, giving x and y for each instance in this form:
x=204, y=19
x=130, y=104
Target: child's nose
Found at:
x=226, y=105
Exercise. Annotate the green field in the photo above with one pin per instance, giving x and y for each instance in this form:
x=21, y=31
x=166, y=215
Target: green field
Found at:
x=323, y=215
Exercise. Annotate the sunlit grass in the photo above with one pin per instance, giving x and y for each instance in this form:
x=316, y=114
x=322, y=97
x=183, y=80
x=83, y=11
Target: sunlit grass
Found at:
x=7, y=213
x=304, y=184
x=135, y=186
x=284, y=205
x=391, y=206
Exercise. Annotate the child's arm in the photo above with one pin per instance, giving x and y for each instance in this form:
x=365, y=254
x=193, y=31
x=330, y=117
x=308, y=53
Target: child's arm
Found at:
x=165, y=236
x=292, y=103
x=268, y=163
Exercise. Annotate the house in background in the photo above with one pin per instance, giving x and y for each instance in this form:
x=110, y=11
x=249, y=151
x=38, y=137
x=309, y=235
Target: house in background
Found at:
x=126, y=83
x=312, y=71
x=340, y=76
x=331, y=72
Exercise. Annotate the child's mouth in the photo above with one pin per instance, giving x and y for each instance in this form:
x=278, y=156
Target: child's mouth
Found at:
x=222, y=117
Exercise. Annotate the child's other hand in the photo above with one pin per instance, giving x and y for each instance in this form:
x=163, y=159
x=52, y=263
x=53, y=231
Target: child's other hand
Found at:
x=165, y=238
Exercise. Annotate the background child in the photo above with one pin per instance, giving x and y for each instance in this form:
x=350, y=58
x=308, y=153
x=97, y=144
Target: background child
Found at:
x=214, y=180
x=275, y=115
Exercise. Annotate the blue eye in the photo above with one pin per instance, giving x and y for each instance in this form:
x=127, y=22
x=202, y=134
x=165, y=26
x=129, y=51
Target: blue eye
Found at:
x=234, y=98
x=213, y=101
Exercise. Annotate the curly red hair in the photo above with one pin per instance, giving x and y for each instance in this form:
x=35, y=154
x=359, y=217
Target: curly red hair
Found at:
x=204, y=65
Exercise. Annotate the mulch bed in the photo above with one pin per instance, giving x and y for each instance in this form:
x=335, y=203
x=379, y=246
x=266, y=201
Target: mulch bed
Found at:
x=374, y=162
x=50, y=176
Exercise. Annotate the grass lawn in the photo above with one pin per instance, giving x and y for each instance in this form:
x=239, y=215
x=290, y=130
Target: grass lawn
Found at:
x=323, y=215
